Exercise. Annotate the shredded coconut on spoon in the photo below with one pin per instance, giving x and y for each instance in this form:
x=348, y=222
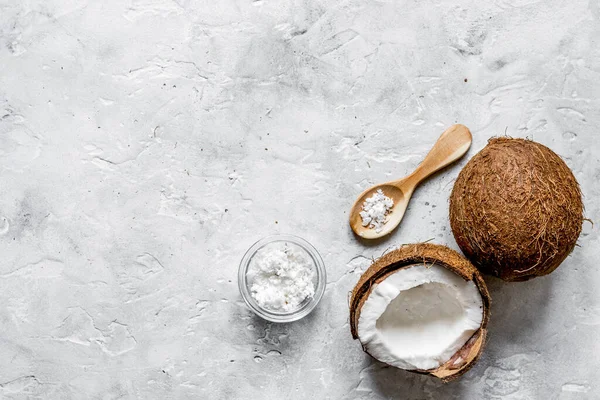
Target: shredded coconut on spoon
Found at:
x=375, y=209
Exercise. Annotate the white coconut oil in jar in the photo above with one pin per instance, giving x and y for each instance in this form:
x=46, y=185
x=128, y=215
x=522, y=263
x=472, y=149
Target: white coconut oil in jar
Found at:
x=281, y=277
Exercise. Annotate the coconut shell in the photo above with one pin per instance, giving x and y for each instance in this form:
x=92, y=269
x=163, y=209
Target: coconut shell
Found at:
x=516, y=209
x=428, y=254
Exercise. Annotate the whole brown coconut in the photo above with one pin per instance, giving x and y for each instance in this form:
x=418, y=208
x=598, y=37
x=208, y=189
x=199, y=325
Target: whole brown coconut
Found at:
x=516, y=209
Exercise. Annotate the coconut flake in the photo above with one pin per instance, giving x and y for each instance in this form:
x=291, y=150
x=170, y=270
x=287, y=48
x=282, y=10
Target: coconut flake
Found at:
x=375, y=209
x=282, y=277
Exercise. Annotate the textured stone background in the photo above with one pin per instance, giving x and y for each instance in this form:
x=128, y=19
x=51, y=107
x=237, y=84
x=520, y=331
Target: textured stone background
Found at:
x=146, y=144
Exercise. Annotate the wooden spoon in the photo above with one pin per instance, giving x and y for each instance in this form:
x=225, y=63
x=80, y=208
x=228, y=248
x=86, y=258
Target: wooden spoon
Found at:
x=452, y=145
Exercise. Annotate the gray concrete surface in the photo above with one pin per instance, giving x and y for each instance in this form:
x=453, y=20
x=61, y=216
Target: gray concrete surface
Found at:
x=146, y=144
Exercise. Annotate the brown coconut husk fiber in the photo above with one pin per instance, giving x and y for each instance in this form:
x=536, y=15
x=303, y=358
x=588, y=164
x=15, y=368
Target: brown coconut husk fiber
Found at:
x=516, y=209
x=408, y=256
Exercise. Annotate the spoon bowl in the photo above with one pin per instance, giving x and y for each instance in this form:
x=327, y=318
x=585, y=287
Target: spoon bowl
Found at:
x=392, y=219
x=451, y=145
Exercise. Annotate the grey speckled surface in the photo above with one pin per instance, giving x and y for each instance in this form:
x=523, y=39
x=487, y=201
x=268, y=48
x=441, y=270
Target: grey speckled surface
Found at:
x=146, y=144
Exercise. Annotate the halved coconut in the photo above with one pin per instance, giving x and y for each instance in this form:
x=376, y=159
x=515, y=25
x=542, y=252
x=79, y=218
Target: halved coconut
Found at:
x=422, y=308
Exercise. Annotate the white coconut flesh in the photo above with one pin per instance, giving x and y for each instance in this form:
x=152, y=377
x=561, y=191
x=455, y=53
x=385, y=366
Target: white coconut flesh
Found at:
x=419, y=317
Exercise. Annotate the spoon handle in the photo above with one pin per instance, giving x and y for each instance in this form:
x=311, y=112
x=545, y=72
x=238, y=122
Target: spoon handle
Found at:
x=452, y=145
